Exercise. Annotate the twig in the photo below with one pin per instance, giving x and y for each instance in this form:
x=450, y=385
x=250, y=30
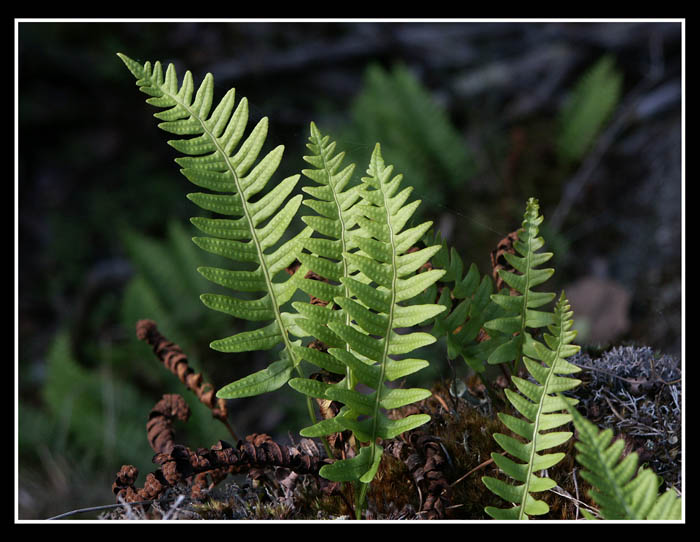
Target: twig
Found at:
x=481, y=465
x=173, y=508
x=638, y=381
x=96, y=508
x=558, y=490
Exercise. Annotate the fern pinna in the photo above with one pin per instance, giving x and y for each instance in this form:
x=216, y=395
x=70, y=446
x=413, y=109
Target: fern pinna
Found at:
x=615, y=488
x=382, y=283
x=218, y=161
x=544, y=409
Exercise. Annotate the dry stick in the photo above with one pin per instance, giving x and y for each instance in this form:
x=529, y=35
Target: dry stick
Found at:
x=96, y=508
x=175, y=360
x=480, y=466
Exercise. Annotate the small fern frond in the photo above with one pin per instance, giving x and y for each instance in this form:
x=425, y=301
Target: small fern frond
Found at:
x=592, y=101
x=541, y=406
x=520, y=308
x=467, y=298
x=618, y=492
x=394, y=107
x=218, y=159
x=386, y=281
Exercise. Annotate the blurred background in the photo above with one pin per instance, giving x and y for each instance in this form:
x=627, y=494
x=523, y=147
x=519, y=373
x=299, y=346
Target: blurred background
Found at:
x=478, y=116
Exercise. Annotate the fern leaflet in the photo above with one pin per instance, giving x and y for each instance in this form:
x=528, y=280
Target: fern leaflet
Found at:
x=467, y=298
x=245, y=234
x=541, y=408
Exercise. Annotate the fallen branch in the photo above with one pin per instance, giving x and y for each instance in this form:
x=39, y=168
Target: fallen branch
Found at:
x=203, y=468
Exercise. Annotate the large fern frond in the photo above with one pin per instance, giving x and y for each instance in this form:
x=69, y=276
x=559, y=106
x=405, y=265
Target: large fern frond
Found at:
x=395, y=108
x=616, y=490
x=385, y=282
x=520, y=308
x=219, y=159
x=541, y=406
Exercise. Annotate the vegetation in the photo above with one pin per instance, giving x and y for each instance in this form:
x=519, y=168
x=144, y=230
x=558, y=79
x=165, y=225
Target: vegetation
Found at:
x=364, y=265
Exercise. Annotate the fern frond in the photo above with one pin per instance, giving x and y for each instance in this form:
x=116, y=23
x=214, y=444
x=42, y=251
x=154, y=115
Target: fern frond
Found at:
x=520, y=308
x=333, y=201
x=218, y=159
x=541, y=406
x=618, y=492
x=385, y=282
x=592, y=100
x=395, y=108
x=467, y=298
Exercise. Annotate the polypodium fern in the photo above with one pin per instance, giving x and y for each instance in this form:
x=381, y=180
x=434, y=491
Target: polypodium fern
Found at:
x=615, y=488
x=520, y=308
x=217, y=161
x=334, y=203
x=588, y=108
x=542, y=406
x=467, y=298
x=385, y=282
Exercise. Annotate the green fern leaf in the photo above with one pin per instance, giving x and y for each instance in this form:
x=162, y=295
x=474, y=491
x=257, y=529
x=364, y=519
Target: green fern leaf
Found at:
x=467, y=298
x=380, y=292
x=593, y=99
x=619, y=493
x=520, y=308
x=395, y=108
x=333, y=223
x=541, y=407
x=219, y=160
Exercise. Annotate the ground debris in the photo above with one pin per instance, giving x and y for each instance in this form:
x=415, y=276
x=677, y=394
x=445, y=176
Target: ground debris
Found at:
x=636, y=393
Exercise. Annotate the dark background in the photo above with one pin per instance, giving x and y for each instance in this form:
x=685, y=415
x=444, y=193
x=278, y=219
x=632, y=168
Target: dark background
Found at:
x=102, y=213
